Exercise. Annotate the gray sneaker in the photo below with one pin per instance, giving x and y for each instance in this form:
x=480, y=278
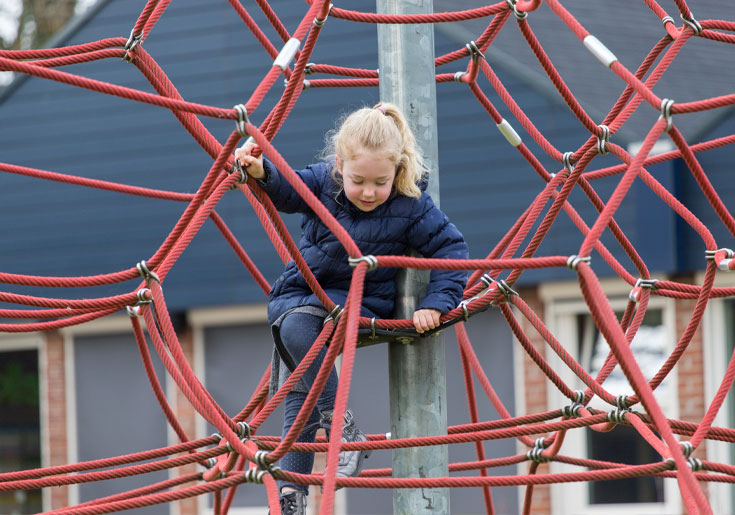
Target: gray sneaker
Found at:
x=350, y=462
x=293, y=503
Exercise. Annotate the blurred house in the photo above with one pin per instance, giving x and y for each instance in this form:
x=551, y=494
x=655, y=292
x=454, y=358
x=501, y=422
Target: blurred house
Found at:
x=94, y=400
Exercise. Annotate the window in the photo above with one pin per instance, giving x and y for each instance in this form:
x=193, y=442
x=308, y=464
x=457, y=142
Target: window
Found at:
x=20, y=425
x=719, y=343
x=571, y=323
x=623, y=444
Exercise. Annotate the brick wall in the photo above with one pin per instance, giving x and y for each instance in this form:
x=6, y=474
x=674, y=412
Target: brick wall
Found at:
x=535, y=393
x=186, y=416
x=690, y=371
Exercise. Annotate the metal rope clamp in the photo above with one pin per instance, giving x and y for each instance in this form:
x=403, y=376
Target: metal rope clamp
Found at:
x=333, y=315
x=538, y=448
x=694, y=463
x=372, y=330
x=572, y=410
x=603, y=139
x=666, y=105
x=474, y=51
x=635, y=293
x=574, y=261
x=567, y=160
x=132, y=42
x=520, y=15
x=242, y=120
x=465, y=311
x=505, y=289
x=692, y=24
x=237, y=168
x=143, y=296
x=146, y=273
x=320, y=22
x=372, y=262
x=617, y=415
x=724, y=264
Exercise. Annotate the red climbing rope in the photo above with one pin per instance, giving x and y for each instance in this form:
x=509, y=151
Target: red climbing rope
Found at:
x=234, y=456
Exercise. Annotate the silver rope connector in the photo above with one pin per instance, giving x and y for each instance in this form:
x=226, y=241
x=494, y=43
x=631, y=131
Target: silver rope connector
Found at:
x=465, y=311
x=242, y=120
x=520, y=15
x=333, y=315
x=132, y=42
x=666, y=19
x=574, y=261
x=133, y=311
x=617, y=415
x=603, y=140
x=238, y=169
x=372, y=262
x=723, y=258
x=474, y=51
x=372, y=329
x=254, y=475
x=487, y=280
x=692, y=24
x=572, y=410
x=535, y=453
x=640, y=284
x=143, y=296
x=146, y=273
x=243, y=430
x=694, y=463
x=261, y=460
x=505, y=289
x=666, y=104
x=567, y=160
x=319, y=22
x=458, y=76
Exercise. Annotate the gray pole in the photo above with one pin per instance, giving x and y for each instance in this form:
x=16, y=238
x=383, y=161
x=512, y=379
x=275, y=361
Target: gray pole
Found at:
x=416, y=369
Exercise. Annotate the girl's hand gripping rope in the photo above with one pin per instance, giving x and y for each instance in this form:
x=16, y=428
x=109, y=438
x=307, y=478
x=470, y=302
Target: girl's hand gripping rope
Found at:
x=253, y=165
x=425, y=319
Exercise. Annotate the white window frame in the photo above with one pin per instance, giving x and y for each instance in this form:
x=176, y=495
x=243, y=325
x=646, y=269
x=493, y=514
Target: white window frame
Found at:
x=106, y=326
x=205, y=318
x=563, y=302
x=10, y=342
x=715, y=364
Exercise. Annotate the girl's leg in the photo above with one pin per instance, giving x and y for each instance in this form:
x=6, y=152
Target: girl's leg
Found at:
x=298, y=462
x=298, y=333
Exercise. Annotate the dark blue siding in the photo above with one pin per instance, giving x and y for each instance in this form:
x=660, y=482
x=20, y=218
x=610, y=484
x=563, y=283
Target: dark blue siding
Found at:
x=55, y=229
x=718, y=166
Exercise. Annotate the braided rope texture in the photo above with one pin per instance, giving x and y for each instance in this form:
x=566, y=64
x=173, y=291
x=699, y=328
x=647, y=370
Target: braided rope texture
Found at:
x=231, y=457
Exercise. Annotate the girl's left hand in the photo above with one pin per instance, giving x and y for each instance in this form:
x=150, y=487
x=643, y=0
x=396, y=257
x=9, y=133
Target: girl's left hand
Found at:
x=425, y=319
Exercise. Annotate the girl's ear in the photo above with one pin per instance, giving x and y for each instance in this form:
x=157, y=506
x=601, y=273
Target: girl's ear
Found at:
x=338, y=163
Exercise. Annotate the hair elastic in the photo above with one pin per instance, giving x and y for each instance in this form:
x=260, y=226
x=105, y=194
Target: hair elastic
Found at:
x=381, y=108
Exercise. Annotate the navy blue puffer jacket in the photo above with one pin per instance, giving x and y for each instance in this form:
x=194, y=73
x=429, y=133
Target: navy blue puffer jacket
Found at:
x=392, y=228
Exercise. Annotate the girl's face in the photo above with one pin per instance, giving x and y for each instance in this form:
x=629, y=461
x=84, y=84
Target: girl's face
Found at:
x=368, y=179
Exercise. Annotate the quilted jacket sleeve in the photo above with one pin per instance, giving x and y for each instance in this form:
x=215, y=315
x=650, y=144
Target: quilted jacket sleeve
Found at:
x=433, y=235
x=283, y=195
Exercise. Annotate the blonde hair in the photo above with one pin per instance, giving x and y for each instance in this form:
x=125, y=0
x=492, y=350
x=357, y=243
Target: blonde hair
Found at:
x=383, y=130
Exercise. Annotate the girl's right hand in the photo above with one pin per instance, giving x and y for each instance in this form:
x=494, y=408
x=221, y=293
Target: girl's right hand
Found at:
x=252, y=165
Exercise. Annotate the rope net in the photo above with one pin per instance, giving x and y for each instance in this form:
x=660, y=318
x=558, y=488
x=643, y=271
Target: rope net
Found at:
x=233, y=456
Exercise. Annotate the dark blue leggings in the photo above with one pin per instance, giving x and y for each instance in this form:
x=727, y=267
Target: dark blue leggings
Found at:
x=298, y=333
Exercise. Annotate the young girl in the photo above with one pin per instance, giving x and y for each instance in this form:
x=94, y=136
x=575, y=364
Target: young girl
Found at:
x=372, y=183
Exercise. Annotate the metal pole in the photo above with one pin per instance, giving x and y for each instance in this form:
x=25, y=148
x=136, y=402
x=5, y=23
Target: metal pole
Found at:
x=416, y=369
